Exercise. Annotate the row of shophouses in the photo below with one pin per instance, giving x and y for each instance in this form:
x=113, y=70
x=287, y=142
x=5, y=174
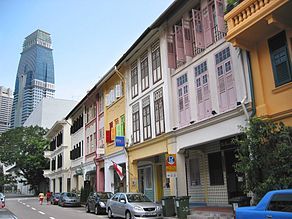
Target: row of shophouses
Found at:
x=184, y=87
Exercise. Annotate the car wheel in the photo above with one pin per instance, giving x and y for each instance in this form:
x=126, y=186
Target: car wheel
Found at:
x=109, y=213
x=96, y=210
x=128, y=215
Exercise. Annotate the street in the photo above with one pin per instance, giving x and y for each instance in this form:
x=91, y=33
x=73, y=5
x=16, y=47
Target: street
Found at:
x=29, y=208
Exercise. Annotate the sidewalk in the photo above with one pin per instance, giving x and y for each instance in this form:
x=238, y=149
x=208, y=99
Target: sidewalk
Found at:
x=209, y=213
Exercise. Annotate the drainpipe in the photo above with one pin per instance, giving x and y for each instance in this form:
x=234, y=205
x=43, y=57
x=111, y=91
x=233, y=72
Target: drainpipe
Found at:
x=242, y=102
x=251, y=84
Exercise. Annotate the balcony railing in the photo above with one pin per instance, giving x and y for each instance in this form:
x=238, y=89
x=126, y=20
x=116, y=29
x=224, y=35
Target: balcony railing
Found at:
x=249, y=8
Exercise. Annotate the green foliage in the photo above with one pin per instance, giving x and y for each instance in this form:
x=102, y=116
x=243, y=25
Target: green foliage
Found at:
x=264, y=156
x=85, y=193
x=5, y=179
x=24, y=147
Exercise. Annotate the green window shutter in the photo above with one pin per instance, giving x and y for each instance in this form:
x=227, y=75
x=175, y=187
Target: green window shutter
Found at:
x=118, y=130
x=123, y=125
x=280, y=59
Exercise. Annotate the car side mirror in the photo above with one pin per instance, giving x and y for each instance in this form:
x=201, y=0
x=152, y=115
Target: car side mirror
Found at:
x=123, y=201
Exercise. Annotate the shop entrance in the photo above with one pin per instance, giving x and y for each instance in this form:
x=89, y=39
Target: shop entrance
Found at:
x=233, y=185
x=145, y=181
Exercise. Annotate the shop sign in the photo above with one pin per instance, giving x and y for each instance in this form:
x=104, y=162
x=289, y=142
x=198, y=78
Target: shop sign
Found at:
x=120, y=141
x=170, y=161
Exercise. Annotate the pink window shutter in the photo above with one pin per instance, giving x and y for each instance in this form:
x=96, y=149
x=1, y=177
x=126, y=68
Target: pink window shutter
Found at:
x=179, y=45
x=219, y=9
x=187, y=38
x=231, y=91
x=207, y=23
x=187, y=105
x=198, y=29
x=171, y=51
x=207, y=101
x=223, y=101
x=201, y=107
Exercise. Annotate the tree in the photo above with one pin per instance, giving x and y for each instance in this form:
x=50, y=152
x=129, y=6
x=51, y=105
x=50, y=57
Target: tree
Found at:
x=264, y=156
x=24, y=147
x=5, y=179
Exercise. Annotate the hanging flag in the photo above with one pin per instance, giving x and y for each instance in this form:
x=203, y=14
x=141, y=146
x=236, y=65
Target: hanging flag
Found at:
x=119, y=170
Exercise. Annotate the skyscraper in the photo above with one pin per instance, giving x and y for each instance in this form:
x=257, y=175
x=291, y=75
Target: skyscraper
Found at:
x=6, y=100
x=35, y=76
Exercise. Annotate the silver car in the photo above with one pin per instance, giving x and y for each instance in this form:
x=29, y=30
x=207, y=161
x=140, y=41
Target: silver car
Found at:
x=132, y=205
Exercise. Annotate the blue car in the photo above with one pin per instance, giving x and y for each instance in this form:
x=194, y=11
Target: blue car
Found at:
x=275, y=204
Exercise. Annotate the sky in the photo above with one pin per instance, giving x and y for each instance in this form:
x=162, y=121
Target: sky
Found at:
x=88, y=36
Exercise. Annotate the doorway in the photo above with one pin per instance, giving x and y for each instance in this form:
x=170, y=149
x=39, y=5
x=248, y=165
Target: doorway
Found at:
x=145, y=181
x=233, y=186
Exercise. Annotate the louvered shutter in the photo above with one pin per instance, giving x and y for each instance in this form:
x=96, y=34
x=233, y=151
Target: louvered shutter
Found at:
x=198, y=29
x=179, y=45
x=108, y=136
x=187, y=38
x=223, y=102
x=219, y=10
x=171, y=51
x=207, y=23
x=206, y=97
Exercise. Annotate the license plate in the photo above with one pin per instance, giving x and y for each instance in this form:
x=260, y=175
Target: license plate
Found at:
x=150, y=213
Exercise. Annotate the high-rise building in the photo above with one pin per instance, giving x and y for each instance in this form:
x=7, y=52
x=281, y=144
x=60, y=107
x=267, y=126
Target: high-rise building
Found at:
x=35, y=76
x=6, y=100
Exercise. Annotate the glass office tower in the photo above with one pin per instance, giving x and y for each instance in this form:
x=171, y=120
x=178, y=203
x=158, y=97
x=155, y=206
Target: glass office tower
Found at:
x=35, y=76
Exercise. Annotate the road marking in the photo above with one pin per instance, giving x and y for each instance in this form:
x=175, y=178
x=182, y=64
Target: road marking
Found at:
x=28, y=206
x=23, y=203
x=51, y=217
x=33, y=209
x=41, y=212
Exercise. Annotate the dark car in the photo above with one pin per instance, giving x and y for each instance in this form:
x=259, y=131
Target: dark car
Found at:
x=69, y=199
x=55, y=198
x=96, y=202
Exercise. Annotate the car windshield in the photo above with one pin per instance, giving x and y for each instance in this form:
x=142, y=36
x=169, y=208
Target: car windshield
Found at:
x=1, y=194
x=137, y=198
x=71, y=195
x=105, y=195
x=57, y=195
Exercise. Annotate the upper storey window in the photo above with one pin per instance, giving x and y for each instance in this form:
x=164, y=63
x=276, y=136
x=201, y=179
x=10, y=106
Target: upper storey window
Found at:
x=77, y=124
x=183, y=99
x=144, y=72
x=156, y=63
x=203, y=26
x=225, y=80
x=203, y=92
x=114, y=93
x=134, y=79
x=159, y=112
x=280, y=59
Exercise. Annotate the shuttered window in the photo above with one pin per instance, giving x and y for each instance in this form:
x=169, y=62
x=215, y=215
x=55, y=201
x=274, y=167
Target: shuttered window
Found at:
x=159, y=112
x=146, y=118
x=280, y=59
x=136, y=123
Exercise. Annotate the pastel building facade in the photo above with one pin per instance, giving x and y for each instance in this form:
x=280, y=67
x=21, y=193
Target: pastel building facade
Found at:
x=263, y=29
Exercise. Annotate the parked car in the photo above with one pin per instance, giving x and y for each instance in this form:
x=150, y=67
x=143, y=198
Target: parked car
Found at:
x=131, y=205
x=96, y=202
x=2, y=200
x=55, y=198
x=69, y=199
x=275, y=204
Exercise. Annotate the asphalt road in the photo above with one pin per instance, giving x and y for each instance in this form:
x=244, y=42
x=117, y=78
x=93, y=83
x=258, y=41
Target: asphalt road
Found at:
x=29, y=208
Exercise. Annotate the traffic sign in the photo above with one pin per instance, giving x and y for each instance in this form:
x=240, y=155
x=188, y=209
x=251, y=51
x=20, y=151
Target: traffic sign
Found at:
x=170, y=161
